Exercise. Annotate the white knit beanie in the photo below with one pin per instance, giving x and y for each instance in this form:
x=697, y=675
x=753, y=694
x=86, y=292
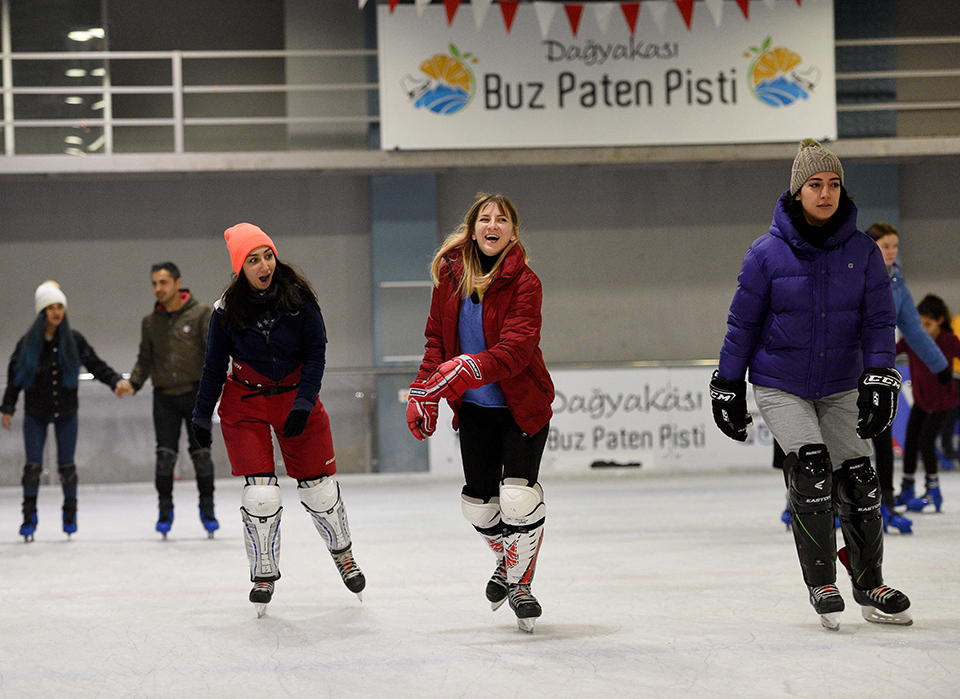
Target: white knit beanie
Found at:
x=811, y=159
x=48, y=293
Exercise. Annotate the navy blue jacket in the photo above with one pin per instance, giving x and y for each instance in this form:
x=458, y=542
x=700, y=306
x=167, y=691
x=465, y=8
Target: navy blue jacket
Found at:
x=808, y=320
x=294, y=341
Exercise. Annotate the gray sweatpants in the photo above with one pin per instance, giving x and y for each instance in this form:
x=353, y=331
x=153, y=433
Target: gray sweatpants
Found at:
x=795, y=421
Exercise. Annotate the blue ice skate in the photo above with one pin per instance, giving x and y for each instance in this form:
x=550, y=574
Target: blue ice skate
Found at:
x=165, y=520
x=28, y=527
x=892, y=519
x=931, y=497
x=207, y=516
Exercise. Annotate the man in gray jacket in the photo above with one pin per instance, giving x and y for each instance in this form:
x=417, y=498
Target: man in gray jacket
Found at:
x=173, y=345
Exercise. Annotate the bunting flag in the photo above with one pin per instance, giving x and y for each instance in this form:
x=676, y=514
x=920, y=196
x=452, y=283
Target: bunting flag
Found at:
x=574, y=11
x=509, y=10
x=393, y=5
x=451, y=7
x=716, y=9
x=744, y=8
x=362, y=3
x=630, y=11
x=545, y=12
x=480, y=8
x=602, y=12
x=658, y=10
x=686, y=10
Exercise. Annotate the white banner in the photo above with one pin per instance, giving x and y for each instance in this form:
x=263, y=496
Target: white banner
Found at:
x=656, y=418
x=598, y=82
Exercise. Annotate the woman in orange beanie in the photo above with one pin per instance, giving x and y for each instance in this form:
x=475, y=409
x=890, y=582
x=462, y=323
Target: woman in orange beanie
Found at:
x=268, y=329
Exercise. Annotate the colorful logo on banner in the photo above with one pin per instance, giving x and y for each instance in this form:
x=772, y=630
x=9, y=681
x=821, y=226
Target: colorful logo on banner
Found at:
x=445, y=84
x=776, y=76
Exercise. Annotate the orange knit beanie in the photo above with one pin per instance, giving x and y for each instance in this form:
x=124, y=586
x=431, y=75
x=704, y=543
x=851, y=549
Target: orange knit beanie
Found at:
x=243, y=238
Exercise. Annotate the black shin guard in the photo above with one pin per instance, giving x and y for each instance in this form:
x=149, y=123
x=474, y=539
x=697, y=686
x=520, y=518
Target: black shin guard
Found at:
x=31, y=486
x=858, y=501
x=810, y=478
x=203, y=465
x=166, y=461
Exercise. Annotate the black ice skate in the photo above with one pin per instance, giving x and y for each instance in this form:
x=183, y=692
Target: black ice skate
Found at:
x=350, y=572
x=261, y=594
x=207, y=517
x=165, y=517
x=70, y=516
x=884, y=605
x=524, y=605
x=828, y=603
x=497, y=587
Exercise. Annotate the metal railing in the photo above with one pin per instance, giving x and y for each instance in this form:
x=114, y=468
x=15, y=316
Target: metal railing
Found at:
x=178, y=119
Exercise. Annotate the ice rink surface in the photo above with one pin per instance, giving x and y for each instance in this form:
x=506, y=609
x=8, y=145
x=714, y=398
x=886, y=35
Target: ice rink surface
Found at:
x=651, y=586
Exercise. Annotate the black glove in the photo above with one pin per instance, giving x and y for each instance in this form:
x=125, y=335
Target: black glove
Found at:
x=203, y=436
x=730, y=407
x=295, y=424
x=877, y=401
x=945, y=376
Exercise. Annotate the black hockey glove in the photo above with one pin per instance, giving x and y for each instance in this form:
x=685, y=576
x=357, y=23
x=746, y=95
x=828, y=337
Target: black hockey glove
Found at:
x=730, y=407
x=295, y=424
x=877, y=401
x=203, y=436
x=945, y=376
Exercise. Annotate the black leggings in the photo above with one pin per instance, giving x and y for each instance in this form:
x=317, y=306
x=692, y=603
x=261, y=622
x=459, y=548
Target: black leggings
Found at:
x=922, y=431
x=493, y=448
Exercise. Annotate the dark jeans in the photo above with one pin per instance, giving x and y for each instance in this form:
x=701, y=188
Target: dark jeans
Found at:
x=169, y=414
x=35, y=437
x=922, y=431
x=493, y=448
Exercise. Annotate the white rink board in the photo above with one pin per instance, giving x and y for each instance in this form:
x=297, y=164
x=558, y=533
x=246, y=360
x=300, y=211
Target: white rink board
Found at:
x=657, y=417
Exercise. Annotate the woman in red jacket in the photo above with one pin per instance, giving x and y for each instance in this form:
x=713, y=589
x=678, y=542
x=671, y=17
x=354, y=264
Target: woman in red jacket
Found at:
x=483, y=355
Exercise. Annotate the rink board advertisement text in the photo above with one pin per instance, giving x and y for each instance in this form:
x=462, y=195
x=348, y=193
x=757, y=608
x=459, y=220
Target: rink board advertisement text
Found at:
x=767, y=79
x=651, y=418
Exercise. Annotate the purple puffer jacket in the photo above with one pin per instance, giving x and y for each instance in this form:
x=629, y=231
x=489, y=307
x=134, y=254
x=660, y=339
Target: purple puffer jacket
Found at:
x=808, y=320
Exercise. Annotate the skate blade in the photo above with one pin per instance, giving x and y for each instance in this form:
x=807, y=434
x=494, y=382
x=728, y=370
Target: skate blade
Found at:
x=261, y=609
x=877, y=617
x=28, y=538
x=527, y=624
x=209, y=535
x=496, y=605
x=359, y=596
x=831, y=621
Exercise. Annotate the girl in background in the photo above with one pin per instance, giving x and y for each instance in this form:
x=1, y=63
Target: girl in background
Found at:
x=46, y=366
x=932, y=400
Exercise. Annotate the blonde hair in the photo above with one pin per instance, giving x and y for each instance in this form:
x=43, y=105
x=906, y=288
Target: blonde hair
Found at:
x=473, y=280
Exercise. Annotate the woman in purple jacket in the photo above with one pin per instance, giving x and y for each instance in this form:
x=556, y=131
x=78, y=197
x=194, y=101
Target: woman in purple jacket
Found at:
x=813, y=320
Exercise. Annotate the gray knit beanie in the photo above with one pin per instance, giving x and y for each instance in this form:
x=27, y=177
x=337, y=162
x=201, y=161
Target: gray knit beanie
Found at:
x=811, y=159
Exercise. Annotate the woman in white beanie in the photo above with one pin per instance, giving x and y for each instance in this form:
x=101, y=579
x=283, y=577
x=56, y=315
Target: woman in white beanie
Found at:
x=46, y=366
x=813, y=321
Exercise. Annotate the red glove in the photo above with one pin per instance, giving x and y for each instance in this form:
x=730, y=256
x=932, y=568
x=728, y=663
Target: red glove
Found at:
x=422, y=412
x=455, y=376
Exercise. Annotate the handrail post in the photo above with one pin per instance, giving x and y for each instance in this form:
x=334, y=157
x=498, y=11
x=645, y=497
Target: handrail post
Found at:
x=176, y=69
x=6, y=46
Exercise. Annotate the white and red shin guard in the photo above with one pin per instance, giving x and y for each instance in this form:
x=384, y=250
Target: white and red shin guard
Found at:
x=523, y=513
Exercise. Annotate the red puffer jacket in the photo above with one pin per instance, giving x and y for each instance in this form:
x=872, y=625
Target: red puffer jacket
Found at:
x=511, y=327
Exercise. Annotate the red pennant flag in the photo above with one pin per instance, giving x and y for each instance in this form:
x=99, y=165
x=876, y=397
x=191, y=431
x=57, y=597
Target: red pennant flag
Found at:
x=393, y=5
x=686, y=9
x=630, y=12
x=574, y=11
x=509, y=10
x=451, y=6
x=744, y=7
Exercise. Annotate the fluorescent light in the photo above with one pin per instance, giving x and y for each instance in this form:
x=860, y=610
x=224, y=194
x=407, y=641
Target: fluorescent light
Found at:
x=74, y=100
x=97, y=144
x=97, y=32
x=73, y=140
x=79, y=35
x=97, y=105
x=73, y=151
x=98, y=72
x=76, y=73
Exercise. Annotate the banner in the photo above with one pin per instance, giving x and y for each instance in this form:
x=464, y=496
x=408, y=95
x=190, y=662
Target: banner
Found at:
x=559, y=79
x=656, y=418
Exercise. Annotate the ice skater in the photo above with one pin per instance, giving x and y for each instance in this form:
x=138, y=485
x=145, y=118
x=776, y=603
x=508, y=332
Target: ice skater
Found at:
x=813, y=320
x=46, y=366
x=173, y=344
x=267, y=328
x=932, y=400
x=483, y=355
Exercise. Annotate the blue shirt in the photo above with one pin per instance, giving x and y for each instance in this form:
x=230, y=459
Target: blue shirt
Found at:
x=470, y=327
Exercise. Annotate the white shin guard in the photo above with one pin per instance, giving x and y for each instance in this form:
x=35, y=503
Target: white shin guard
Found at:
x=485, y=518
x=321, y=498
x=523, y=513
x=260, y=509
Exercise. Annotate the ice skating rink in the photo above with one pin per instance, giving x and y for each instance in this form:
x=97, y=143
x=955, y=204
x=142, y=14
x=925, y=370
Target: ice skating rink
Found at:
x=651, y=586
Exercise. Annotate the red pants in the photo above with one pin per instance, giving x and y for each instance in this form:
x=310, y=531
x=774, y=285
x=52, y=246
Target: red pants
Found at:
x=246, y=424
